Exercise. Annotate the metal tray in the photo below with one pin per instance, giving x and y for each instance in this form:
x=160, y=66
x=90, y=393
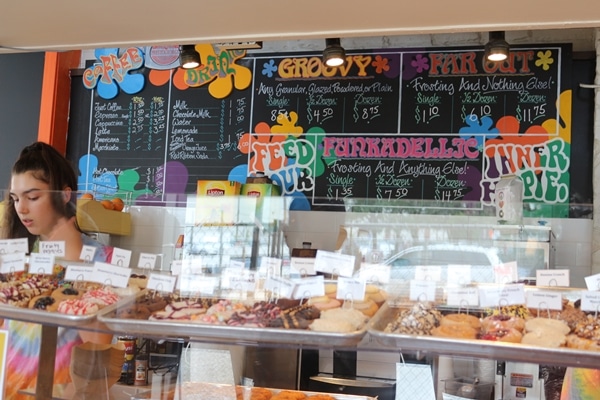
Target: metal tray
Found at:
x=54, y=318
x=195, y=331
x=475, y=348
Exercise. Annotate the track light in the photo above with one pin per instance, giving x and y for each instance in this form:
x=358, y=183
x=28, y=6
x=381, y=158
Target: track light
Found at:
x=334, y=54
x=496, y=49
x=188, y=57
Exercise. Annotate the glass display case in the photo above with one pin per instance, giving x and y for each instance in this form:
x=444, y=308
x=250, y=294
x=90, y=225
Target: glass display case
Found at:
x=385, y=255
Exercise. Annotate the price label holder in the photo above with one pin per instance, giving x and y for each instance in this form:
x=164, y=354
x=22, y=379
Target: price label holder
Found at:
x=590, y=301
x=309, y=287
x=502, y=295
x=374, y=273
x=280, y=287
x=161, y=282
x=422, y=290
x=19, y=245
x=79, y=273
x=41, y=264
x=238, y=278
x=553, y=277
x=350, y=288
x=462, y=297
x=87, y=253
x=458, y=274
x=543, y=300
x=110, y=274
x=303, y=266
x=121, y=257
x=428, y=273
x=196, y=285
x=12, y=262
x=334, y=263
x=270, y=266
x=56, y=248
x=506, y=272
x=147, y=261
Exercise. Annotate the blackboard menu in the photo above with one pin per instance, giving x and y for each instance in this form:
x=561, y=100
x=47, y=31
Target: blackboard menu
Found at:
x=434, y=124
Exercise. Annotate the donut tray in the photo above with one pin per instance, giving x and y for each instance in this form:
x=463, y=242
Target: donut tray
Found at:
x=53, y=318
x=195, y=331
x=472, y=347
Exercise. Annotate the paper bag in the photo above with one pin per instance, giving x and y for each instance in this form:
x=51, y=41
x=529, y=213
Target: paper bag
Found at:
x=95, y=368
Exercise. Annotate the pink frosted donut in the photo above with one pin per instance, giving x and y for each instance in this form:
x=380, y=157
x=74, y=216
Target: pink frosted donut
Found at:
x=77, y=307
x=101, y=297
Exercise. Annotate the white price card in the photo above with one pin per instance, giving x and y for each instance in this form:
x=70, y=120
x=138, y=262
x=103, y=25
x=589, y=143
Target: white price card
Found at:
x=197, y=285
x=239, y=279
x=458, y=274
x=303, y=265
x=121, y=257
x=12, y=262
x=552, y=277
x=311, y=286
x=350, y=288
x=590, y=301
x=54, y=247
x=334, y=263
x=374, y=273
x=462, y=297
x=592, y=282
x=176, y=267
x=41, y=264
x=506, y=273
x=428, y=273
x=270, y=266
x=110, y=274
x=543, y=300
x=161, y=282
x=280, y=287
x=236, y=264
x=147, y=261
x=20, y=245
x=422, y=290
x=79, y=273
x=503, y=295
x=87, y=253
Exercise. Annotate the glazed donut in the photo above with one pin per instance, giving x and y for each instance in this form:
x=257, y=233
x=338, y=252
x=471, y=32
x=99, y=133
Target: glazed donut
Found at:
x=367, y=307
x=511, y=335
x=504, y=322
x=289, y=395
x=547, y=325
x=549, y=339
x=458, y=331
x=331, y=290
x=324, y=302
x=461, y=319
x=259, y=393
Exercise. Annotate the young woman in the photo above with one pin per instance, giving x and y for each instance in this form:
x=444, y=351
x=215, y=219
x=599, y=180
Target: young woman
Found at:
x=42, y=206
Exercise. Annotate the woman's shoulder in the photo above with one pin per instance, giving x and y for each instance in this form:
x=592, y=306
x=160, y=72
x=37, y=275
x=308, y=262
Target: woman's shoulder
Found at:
x=103, y=252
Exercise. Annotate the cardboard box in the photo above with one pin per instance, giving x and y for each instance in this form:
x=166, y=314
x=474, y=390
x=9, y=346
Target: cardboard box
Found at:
x=217, y=202
x=93, y=217
x=268, y=201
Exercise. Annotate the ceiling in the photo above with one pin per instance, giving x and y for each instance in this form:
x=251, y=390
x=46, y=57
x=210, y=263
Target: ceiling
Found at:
x=42, y=25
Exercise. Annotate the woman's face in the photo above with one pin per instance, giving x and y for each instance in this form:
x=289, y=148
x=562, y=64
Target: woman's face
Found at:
x=33, y=203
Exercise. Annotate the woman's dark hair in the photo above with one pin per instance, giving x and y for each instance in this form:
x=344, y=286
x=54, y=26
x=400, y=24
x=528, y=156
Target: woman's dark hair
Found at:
x=49, y=166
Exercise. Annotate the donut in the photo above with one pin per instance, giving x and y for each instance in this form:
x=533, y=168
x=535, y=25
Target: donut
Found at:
x=367, y=307
x=259, y=393
x=324, y=302
x=511, y=335
x=101, y=297
x=136, y=311
x=66, y=293
x=47, y=303
x=547, y=326
x=331, y=290
x=77, y=307
x=320, y=397
x=289, y=395
x=461, y=319
x=502, y=321
x=458, y=331
x=544, y=339
x=574, y=341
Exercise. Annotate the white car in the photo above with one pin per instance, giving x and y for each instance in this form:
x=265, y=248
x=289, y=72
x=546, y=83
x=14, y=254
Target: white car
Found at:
x=481, y=259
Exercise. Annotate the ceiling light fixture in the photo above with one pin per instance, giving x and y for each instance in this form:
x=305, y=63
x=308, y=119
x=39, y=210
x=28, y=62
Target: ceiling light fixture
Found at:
x=188, y=57
x=334, y=54
x=496, y=49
